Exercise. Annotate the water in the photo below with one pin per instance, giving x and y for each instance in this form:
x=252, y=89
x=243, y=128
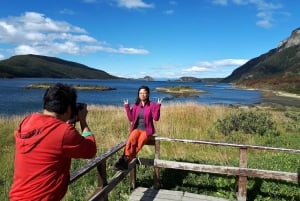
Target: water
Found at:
x=15, y=99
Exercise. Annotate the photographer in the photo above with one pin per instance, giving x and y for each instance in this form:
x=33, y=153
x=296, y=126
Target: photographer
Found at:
x=45, y=144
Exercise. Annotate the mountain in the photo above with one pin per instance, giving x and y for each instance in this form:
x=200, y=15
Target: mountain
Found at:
x=50, y=67
x=278, y=69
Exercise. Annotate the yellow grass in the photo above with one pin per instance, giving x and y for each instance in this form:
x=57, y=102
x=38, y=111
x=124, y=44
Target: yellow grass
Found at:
x=110, y=126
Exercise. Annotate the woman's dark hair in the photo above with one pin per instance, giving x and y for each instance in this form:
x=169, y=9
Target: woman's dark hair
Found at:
x=57, y=98
x=137, y=100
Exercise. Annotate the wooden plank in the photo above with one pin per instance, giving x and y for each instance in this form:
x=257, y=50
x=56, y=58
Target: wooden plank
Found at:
x=242, y=171
x=150, y=194
x=95, y=161
x=146, y=161
x=267, y=174
x=102, y=177
x=242, y=180
x=151, y=141
x=114, y=181
x=228, y=144
x=133, y=177
x=156, y=168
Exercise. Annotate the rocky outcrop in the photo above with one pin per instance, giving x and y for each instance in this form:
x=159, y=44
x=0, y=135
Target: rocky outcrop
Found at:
x=277, y=69
x=293, y=40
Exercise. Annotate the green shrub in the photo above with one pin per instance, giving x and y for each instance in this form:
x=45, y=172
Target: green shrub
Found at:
x=248, y=122
x=292, y=123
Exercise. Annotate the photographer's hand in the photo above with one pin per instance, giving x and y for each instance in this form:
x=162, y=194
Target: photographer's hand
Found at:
x=81, y=117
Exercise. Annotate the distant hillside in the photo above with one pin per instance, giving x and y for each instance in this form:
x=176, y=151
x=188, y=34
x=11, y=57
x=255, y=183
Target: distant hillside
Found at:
x=278, y=69
x=51, y=67
x=188, y=79
x=195, y=79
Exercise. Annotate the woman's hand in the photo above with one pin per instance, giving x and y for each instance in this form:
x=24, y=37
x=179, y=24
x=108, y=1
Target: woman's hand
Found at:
x=125, y=101
x=159, y=100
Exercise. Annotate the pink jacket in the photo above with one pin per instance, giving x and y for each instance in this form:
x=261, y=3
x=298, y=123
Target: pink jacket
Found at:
x=151, y=112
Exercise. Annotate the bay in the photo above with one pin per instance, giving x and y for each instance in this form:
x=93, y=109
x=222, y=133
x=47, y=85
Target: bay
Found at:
x=15, y=99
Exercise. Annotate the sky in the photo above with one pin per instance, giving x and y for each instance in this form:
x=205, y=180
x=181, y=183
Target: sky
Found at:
x=164, y=39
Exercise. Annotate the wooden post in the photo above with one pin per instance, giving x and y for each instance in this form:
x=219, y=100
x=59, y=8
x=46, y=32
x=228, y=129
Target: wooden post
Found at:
x=299, y=176
x=102, y=178
x=242, y=180
x=133, y=177
x=156, y=169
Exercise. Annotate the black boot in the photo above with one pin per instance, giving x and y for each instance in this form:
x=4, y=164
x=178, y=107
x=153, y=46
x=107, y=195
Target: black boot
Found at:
x=122, y=164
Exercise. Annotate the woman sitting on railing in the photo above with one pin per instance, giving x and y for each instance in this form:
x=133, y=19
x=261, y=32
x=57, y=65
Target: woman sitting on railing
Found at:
x=141, y=117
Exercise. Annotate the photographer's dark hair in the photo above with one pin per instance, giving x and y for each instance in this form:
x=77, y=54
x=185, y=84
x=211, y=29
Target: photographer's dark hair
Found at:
x=146, y=88
x=57, y=98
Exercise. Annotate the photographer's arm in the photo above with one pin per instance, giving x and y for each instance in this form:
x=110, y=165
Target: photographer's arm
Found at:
x=74, y=145
x=82, y=114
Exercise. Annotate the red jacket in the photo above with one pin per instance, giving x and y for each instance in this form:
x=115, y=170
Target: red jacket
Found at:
x=44, y=148
x=151, y=112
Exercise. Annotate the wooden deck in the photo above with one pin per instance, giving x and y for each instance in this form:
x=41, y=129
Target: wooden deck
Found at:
x=149, y=194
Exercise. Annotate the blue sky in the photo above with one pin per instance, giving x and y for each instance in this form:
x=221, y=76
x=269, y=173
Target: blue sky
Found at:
x=157, y=38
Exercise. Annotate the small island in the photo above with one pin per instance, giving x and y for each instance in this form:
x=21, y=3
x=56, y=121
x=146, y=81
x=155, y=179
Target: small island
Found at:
x=180, y=91
x=77, y=87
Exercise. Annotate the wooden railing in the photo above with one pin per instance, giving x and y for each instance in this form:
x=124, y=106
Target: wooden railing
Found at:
x=242, y=172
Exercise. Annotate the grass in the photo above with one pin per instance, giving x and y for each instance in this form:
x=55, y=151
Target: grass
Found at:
x=180, y=120
x=180, y=91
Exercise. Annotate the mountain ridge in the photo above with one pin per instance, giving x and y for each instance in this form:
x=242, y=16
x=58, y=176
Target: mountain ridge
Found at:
x=31, y=66
x=278, y=69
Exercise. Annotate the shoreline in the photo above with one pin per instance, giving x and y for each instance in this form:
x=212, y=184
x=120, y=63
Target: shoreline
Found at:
x=271, y=97
x=281, y=98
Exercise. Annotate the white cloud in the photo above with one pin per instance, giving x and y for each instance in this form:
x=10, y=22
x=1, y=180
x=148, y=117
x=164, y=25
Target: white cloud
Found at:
x=173, y=3
x=8, y=28
x=220, y=2
x=204, y=69
x=240, y=2
x=25, y=49
x=67, y=12
x=2, y=56
x=264, y=23
x=34, y=33
x=265, y=10
x=214, y=66
x=228, y=62
x=197, y=69
x=133, y=51
x=169, y=12
x=134, y=4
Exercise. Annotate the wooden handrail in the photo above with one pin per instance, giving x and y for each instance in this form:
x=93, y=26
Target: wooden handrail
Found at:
x=95, y=162
x=101, y=193
x=228, y=144
x=248, y=172
x=242, y=172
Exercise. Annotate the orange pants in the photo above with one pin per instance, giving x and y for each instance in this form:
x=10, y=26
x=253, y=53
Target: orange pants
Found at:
x=135, y=142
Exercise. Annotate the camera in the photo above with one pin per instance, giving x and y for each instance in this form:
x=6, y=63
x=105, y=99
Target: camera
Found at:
x=79, y=106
